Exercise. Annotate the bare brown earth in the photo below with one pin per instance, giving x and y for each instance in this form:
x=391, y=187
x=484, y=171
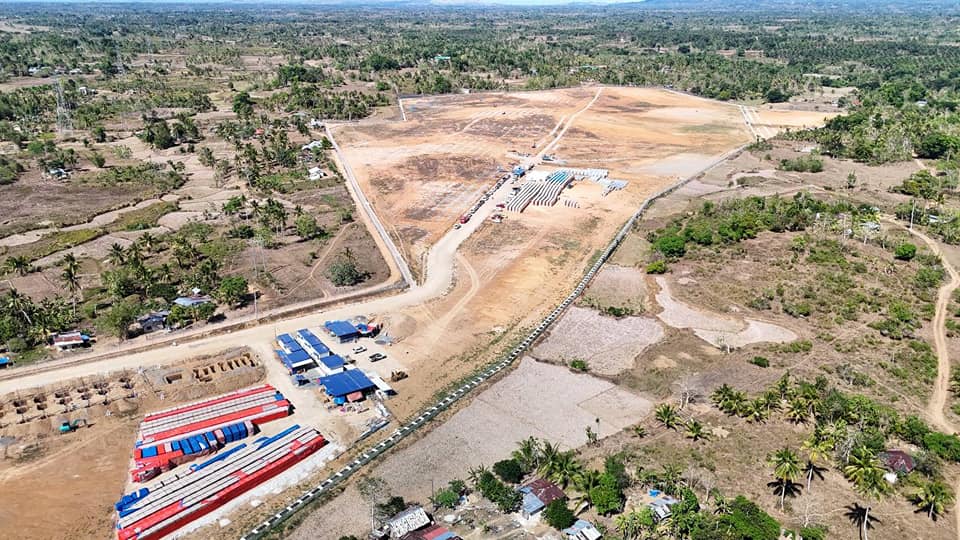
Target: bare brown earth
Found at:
x=64, y=486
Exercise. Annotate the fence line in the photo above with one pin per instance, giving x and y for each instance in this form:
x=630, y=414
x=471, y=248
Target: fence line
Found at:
x=403, y=431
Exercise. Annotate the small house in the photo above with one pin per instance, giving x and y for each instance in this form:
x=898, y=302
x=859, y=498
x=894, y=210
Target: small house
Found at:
x=193, y=300
x=409, y=520
x=316, y=173
x=661, y=507
x=537, y=495
x=153, y=321
x=432, y=532
x=58, y=174
x=347, y=385
x=6, y=362
x=582, y=530
x=70, y=340
x=311, y=145
x=897, y=461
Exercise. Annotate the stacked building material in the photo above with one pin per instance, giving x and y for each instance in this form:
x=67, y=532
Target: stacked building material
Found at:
x=151, y=461
x=167, y=506
x=550, y=192
x=173, y=436
x=522, y=199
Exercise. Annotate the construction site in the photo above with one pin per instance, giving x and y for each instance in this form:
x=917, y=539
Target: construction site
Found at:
x=496, y=201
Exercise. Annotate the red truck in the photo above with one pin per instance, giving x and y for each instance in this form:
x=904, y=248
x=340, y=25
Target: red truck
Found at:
x=464, y=218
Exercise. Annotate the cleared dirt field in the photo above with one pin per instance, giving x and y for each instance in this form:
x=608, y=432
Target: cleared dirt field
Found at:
x=487, y=431
x=607, y=344
x=423, y=173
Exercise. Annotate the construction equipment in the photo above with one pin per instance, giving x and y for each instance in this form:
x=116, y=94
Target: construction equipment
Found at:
x=67, y=426
x=397, y=375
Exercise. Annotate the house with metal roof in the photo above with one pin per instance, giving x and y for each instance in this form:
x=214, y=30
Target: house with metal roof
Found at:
x=70, y=340
x=432, y=532
x=296, y=361
x=537, y=494
x=409, y=520
x=897, y=461
x=582, y=530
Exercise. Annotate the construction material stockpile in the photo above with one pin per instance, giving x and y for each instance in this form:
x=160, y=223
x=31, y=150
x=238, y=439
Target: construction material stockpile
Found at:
x=175, y=436
x=550, y=192
x=163, y=508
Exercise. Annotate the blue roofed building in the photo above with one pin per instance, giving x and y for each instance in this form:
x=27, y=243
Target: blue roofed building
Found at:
x=296, y=361
x=312, y=344
x=332, y=364
x=342, y=330
x=348, y=385
x=537, y=495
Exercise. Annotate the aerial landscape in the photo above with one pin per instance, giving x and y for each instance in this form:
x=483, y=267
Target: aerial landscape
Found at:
x=672, y=269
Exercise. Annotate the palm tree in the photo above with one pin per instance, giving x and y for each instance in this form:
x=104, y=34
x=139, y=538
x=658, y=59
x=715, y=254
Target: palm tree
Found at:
x=817, y=452
x=786, y=469
x=583, y=482
x=866, y=473
x=148, y=241
x=798, y=411
x=19, y=264
x=117, y=255
x=666, y=414
x=562, y=468
x=697, y=431
x=16, y=302
x=934, y=498
x=860, y=516
x=71, y=280
x=474, y=474
x=755, y=410
x=527, y=454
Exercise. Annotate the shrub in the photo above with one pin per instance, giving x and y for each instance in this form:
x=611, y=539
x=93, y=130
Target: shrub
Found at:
x=905, y=252
x=802, y=164
x=657, y=267
x=509, y=470
x=760, y=361
x=942, y=445
x=747, y=520
x=344, y=272
x=558, y=516
x=671, y=245
x=579, y=365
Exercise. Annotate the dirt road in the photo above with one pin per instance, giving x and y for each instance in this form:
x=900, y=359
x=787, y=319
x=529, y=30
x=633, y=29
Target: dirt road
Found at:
x=385, y=241
x=941, y=388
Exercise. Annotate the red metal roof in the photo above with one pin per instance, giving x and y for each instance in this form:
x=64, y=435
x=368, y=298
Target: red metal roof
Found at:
x=546, y=490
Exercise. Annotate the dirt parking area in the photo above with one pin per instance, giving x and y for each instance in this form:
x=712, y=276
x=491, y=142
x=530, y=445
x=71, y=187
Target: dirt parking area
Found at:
x=486, y=431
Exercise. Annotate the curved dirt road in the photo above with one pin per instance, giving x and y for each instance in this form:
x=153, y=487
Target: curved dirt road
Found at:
x=941, y=388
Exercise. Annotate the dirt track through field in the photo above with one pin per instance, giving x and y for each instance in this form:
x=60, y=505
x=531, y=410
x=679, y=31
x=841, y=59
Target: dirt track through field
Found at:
x=941, y=388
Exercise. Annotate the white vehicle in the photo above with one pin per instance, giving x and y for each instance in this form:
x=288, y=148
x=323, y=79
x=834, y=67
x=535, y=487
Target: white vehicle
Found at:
x=358, y=350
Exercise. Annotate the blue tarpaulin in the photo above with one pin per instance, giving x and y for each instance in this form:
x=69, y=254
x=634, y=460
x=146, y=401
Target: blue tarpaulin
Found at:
x=346, y=382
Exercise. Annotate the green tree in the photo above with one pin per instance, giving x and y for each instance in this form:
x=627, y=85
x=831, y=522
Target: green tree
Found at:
x=118, y=319
x=243, y=105
x=343, y=272
x=905, y=251
x=232, y=290
x=934, y=498
x=866, y=472
x=786, y=470
x=509, y=470
x=558, y=516
x=607, y=497
x=307, y=227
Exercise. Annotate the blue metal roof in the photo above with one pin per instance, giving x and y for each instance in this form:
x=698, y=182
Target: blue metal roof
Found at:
x=5, y=360
x=295, y=359
x=340, y=328
x=346, y=382
x=531, y=503
x=288, y=342
x=333, y=361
